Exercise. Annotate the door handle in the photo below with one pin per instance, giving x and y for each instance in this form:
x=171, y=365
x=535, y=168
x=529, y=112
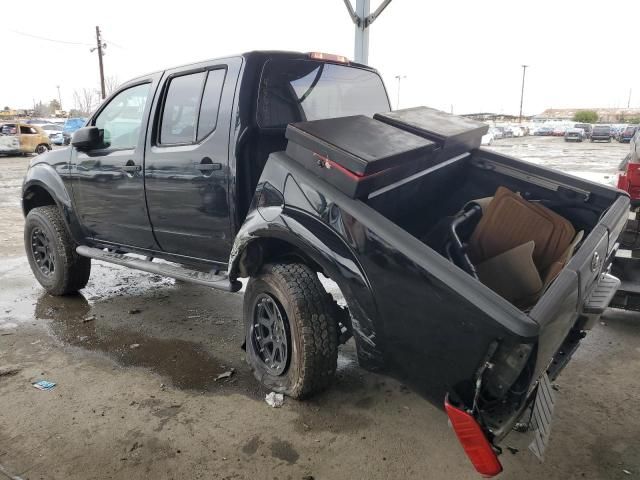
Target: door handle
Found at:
x=206, y=165
x=131, y=167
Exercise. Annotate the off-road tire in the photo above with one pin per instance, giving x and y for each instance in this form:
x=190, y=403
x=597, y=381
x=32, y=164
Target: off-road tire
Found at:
x=309, y=317
x=71, y=271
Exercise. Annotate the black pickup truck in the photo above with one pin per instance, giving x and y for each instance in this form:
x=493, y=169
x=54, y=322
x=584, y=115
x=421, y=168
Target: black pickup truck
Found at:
x=278, y=167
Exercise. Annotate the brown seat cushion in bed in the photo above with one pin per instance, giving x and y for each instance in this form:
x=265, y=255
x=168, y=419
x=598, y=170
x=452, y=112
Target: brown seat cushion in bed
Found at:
x=510, y=221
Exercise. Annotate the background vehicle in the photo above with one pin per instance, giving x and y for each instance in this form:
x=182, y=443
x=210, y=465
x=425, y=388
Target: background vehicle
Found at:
x=498, y=132
x=559, y=131
x=574, y=134
x=627, y=134
x=51, y=129
x=586, y=127
x=20, y=138
x=268, y=166
x=516, y=131
x=601, y=133
x=544, y=131
x=488, y=138
x=70, y=126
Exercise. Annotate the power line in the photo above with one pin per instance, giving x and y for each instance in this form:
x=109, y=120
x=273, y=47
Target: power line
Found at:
x=50, y=39
x=111, y=42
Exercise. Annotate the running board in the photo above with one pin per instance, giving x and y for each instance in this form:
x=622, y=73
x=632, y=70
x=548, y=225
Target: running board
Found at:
x=219, y=282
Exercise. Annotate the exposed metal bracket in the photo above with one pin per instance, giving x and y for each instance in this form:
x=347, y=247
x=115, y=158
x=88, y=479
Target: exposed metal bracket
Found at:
x=354, y=16
x=362, y=19
x=371, y=18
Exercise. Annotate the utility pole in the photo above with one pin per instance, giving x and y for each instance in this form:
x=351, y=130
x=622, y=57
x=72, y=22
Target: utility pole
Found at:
x=629, y=99
x=363, y=20
x=99, y=47
x=399, y=77
x=59, y=97
x=524, y=72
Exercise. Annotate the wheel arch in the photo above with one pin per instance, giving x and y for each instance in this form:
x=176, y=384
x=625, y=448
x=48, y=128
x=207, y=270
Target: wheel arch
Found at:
x=315, y=244
x=43, y=186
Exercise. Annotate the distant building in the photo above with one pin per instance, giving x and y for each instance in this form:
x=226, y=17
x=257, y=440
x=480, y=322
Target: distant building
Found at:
x=605, y=115
x=495, y=117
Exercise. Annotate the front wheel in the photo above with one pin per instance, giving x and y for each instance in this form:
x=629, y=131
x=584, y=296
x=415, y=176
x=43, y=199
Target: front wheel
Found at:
x=291, y=330
x=42, y=148
x=51, y=252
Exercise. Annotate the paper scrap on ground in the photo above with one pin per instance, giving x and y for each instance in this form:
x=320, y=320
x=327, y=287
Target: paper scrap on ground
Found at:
x=43, y=385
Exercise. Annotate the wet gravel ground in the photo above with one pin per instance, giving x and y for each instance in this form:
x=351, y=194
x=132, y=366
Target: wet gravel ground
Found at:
x=136, y=358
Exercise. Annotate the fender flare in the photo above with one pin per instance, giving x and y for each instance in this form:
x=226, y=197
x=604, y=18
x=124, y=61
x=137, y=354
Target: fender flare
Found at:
x=328, y=250
x=44, y=176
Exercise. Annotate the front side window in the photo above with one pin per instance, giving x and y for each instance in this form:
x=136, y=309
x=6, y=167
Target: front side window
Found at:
x=180, y=115
x=121, y=119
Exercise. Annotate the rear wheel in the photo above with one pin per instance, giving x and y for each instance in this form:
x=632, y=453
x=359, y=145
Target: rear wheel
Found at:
x=291, y=330
x=51, y=252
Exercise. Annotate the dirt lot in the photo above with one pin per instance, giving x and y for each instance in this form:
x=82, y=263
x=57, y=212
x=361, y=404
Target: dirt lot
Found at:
x=136, y=356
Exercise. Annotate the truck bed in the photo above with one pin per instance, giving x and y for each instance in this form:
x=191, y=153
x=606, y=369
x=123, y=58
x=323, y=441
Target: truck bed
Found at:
x=421, y=318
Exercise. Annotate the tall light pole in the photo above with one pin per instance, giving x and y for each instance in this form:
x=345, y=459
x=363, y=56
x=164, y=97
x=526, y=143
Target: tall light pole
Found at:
x=59, y=97
x=524, y=72
x=399, y=78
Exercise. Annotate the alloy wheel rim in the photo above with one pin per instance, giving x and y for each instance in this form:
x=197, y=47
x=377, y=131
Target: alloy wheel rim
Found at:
x=42, y=251
x=270, y=335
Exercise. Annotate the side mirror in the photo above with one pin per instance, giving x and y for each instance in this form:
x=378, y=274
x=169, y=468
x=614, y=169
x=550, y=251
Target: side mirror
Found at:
x=87, y=138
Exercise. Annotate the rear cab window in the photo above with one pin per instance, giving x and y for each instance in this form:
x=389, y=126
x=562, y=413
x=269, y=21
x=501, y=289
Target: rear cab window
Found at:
x=298, y=90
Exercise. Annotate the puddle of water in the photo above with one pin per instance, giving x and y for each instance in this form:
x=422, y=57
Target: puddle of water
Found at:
x=186, y=364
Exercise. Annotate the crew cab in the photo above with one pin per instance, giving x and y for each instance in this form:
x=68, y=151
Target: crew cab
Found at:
x=278, y=167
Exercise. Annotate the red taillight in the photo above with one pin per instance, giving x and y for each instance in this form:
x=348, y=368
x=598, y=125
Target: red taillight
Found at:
x=330, y=57
x=474, y=441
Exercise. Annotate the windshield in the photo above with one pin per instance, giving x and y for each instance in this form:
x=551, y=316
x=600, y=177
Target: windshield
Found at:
x=298, y=90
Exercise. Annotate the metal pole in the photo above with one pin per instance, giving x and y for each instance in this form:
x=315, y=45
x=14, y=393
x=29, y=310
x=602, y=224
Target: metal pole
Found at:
x=524, y=71
x=99, y=48
x=362, y=19
x=59, y=97
x=629, y=99
x=399, y=78
x=362, y=32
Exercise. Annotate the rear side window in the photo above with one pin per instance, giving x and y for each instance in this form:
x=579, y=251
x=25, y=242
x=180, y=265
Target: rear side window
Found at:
x=25, y=130
x=191, y=107
x=210, y=102
x=180, y=115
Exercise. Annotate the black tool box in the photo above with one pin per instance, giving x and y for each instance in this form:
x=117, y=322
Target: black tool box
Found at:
x=453, y=134
x=359, y=155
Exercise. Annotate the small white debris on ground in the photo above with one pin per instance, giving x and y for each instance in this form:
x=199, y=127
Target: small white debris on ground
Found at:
x=275, y=400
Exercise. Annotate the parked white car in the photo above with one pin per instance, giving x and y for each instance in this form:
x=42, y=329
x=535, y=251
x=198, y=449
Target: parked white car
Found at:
x=489, y=137
x=517, y=131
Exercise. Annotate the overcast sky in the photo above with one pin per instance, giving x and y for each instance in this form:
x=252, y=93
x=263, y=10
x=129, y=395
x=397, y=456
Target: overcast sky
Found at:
x=465, y=55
